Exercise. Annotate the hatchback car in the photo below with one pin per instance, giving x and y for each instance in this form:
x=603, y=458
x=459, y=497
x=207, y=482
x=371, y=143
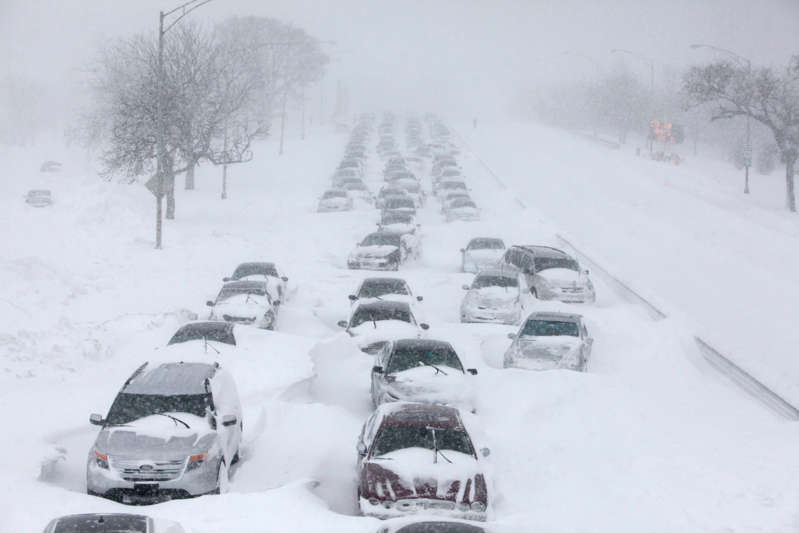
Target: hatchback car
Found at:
x=173, y=431
x=419, y=458
x=548, y=340
x=381, y=289
x=257, y=270
x=373, y=323
x=245, y=302
x=421, y=370
x=380, y=250
x=334, y=200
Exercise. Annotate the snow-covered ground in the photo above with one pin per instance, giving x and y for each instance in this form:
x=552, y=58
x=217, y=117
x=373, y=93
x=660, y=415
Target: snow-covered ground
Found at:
x=651, y=439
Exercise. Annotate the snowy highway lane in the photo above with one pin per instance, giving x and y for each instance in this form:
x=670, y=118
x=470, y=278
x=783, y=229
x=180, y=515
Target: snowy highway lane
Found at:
x=649, y=439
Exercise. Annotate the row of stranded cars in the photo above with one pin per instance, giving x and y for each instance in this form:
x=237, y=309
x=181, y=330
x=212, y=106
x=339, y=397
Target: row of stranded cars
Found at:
x=415, y=453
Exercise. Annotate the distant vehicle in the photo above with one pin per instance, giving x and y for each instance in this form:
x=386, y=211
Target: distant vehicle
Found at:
x=451, y=197
x=374, y=289
x=373, y=323
x=50, y=166
x=421, y=370
x=419, y=458
x=481, y=252
x=430, y=525
x=245, y=302
x=461, y=209
x=378, y=251
x=343, y=174
x=493, y=296
x=548, y=340
x=396, y=221
x=173, y=431
x=388, y=193
x=334, y=200
x=39, y=198
x=111, y=523
x=551, y=274
x=358, y=191
x=266, y=271
x=445, y=186
x=400, y=204
x=413, y=188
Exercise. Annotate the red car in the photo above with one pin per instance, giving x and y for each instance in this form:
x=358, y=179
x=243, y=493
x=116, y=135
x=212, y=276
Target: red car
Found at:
x=419, y=458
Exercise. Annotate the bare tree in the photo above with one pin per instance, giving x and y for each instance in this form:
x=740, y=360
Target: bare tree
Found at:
x=765, y=95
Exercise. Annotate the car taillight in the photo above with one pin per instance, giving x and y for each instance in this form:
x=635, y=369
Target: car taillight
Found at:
x=101, y=460
x=196, y=460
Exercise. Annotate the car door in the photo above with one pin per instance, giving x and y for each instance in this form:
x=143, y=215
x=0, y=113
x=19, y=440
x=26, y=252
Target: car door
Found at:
x=227, y=403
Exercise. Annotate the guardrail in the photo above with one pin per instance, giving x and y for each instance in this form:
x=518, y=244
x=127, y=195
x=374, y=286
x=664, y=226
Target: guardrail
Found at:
x=723, y=364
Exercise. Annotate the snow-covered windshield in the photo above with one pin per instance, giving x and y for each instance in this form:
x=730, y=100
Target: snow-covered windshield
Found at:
x=407, y=357
x=371, y=314
x=228, y=292
x=376, y=288
x=440, y=527
x=392, y=438
x=333, y=194
x=462, y=202
x=491, y=280
x=549, y=328
x=212, y=331
x=129, y=407
x=486, y=244
x=544, y=263
x=381, y=239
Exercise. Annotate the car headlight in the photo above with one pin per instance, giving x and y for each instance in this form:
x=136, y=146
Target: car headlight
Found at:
x=101, y=460
x=196, y=461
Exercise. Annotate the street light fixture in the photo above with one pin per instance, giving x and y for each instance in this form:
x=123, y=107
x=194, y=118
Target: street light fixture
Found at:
x=184, y=10
x=748, y=142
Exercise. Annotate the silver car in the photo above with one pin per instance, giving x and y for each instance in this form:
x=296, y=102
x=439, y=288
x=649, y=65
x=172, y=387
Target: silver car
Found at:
x=245, y=302
x=173, y=431
x=480, y=253
x=493, y=296
x=547, y=341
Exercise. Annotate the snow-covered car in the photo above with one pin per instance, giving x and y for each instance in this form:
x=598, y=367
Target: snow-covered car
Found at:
x=493, y=296
x=413, y=188
x=451, y=197
x=245, y=302
x=480, y=253
x=444, y=186
x=400, y=204
x=39, y=198
x=374, y=323
x=549, y=340
x=396, y=289
x=358, y=191
x=429, y=525
x=380, y=250
x=396, y=221
x=211, y=330
x=461, y=209
x=343, y=174
x=173, y=431
x=551, y=274
x=334, y=200
x=419, y=458
x=111, y=523
x=421, y=370
x=387, y=191
x=267, y=271
x=410, y=238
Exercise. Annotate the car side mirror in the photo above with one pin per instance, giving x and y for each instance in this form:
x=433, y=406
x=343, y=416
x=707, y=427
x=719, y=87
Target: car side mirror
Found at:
x=424, y=326
x=465, y=287
x=96, y=419
x=472, y=371
x=342, y=323
x=485, y=452
x=377, y=369
x=226, y=279
x=361, y=447
x=511, y=336
x=352, y=297
x=284, y=278
x=229, y=420
x=419, y=298
x=209, y=303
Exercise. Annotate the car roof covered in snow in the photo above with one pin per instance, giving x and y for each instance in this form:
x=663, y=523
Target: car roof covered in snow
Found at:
x=554, y=315
x=170, y=379
x=544, y=251
x=419, y=414
x=99, y=523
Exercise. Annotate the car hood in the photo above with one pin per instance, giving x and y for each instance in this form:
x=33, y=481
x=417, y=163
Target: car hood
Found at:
x=240, y=306
x=562, y=276
x=541, y=353
x=412, y=473
x=157, y=437
x=425, y=384
x=487, y=256
x=382, y=250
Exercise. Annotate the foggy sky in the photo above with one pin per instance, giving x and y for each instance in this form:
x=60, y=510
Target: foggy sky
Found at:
x=467, y=55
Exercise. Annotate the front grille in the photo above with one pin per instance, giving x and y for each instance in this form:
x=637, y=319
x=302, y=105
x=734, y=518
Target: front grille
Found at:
x=246, y=320
x=572, y=290
x=153, y=471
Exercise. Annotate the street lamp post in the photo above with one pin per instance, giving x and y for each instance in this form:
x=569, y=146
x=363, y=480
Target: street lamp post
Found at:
x=748, y=142
x=160, y=126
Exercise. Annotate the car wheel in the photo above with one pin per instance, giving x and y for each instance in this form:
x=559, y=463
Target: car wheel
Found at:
x=235, y=459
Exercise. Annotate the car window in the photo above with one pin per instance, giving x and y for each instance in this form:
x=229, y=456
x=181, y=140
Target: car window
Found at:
x=371, y=314
x=549, y=328
x=129, y=407
x=392, y=438
x=407, y=357
x=376, y=288
x=490, y=280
